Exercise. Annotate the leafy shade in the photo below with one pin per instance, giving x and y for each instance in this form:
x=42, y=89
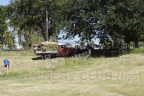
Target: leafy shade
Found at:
x=3, y=25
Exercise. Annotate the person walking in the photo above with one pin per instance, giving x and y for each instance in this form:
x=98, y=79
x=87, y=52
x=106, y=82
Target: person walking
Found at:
x=6, y=63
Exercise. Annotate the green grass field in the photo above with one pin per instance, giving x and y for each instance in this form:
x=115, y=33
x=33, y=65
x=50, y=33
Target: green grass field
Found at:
x=116, y=76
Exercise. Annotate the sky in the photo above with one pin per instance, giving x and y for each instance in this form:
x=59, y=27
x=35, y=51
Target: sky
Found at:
x=4, y=2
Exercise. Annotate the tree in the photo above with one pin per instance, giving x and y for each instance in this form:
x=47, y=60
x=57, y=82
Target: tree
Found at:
x=8, y=39
x=80, y=18
x=29, y=15
x=124, y=18
x=3, y=25
x=108, y=20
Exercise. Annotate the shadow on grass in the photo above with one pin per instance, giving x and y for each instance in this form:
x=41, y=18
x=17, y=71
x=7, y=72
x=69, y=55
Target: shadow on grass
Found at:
x=37, y=58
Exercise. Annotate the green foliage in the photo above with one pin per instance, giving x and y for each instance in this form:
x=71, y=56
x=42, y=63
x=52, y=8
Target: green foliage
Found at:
x=3, y=25
x=8, y=39
x=25, y=45
x=136, y=51
x=124, y=18
x=28, y=15
x=81, y=16
x=108, y=20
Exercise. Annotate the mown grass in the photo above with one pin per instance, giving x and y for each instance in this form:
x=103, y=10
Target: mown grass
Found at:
x=116, y=76
x=17, y=53
x=135, y=51
x=71, y=64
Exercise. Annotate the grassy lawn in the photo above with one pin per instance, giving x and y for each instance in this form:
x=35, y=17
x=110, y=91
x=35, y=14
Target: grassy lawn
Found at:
x=116, y=76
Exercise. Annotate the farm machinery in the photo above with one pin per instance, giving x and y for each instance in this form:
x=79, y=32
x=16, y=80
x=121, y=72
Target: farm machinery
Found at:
x=53, y=49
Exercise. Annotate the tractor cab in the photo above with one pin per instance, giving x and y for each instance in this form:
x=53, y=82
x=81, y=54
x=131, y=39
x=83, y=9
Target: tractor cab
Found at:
x=65, y=50
x=53, y=49
x=62, y=45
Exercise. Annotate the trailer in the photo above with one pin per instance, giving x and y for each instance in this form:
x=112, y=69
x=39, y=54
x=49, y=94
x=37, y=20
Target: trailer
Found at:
x=53, y=49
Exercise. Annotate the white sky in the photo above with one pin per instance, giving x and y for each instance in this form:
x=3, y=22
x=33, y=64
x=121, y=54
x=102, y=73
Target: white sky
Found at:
x=4, y=2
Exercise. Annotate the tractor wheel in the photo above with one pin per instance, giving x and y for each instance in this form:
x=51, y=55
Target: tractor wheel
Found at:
x=44, y=56
x=49, y=56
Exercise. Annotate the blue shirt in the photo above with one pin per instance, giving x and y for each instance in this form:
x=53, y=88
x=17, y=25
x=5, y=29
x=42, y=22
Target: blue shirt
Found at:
x=6, y=61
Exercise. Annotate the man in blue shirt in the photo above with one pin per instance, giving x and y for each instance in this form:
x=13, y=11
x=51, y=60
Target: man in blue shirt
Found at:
x=6, y=62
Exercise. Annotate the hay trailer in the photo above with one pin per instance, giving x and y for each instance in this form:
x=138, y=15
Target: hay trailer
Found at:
x=53, y=49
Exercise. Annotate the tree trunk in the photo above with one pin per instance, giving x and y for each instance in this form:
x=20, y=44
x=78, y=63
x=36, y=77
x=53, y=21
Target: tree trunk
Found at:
x=2, y=38
x=128, y=45
x=136, y=44
x=43, y=32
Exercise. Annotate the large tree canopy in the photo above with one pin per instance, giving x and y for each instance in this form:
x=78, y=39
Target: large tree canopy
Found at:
x=124, y=18
x=81, y=17
x=28, y=15
x=104, y=19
